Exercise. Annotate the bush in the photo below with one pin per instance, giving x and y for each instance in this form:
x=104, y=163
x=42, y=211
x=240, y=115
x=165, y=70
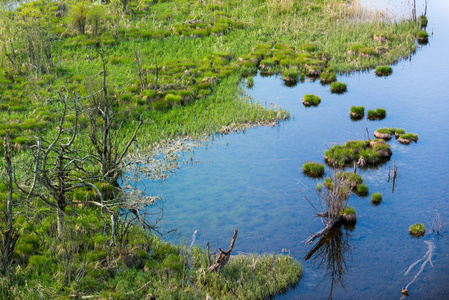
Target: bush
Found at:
x=383, y=70
x=313, y=168
x=338, y=87
x=376, y=198
x=310, y=99
x=417, y=229
x=78, y=16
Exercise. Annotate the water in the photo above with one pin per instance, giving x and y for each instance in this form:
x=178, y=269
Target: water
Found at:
x=253, y=181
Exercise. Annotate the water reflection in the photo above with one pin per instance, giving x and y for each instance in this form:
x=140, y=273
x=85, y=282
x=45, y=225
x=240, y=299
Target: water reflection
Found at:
x=332, y=253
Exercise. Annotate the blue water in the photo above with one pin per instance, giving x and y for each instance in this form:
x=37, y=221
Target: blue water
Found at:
x=253, y=180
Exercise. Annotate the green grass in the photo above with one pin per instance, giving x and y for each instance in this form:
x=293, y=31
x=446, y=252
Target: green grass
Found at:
x=311, y=100
x=357, y=110
x=351, y=151
x=338, y=87
x=313, y=168
x=422, y=21
x=422, y=34
x=328, y=77
x=377, y=114
x=383, y=70
x=376, y=198
x=417, y=229
x=362, y=189
x=348, y=211
x=409, y=136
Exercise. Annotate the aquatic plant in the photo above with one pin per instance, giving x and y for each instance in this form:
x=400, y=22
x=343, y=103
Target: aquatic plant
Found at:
x=383, y=70
x=362, y=189
x=422, y=21
x=348, y=211
x=328, y=76
x=417, y=229
x=311, y=100
x=318, y=187
x=377, y=114
x=350, y=179
x=313, y=169
x=357, y=112
x=407, y=138
x=250, y=81
x=376, y=198
x=338, y=87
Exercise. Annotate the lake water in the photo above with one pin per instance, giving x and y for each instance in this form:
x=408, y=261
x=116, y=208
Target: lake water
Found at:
x=253, y=181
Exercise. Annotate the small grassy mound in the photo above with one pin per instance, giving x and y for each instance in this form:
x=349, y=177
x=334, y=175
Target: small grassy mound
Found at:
x=422, y=20
x=383, y=70
x=372, y=152
x=314, y=169
x=377, y=114
x=338, y=87
x=348, y=211
x=362, y=189
x=407, y=138
x=417, y=229
x=357, y=112
x=376, y=198
x=352, y=180
x=328, y=77
x=422, y=35
x=311, y=100
x=348, y=215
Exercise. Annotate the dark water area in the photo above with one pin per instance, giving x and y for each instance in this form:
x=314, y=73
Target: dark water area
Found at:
x=253, y=181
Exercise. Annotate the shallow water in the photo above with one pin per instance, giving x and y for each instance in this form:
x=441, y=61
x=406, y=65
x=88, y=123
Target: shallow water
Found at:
x=253, y=181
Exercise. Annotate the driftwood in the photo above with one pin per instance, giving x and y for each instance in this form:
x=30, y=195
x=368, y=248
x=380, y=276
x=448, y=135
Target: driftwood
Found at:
x=331, y=223
x=222, y=258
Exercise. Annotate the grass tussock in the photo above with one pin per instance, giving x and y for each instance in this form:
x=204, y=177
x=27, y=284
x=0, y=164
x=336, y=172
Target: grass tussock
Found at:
x=417, y=229
x=314, y=169
x=311, y=100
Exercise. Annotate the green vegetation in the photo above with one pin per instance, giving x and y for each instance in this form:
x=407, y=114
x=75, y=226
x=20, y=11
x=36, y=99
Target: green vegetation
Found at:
x=376, y=198
x=352, y=180
x=422, y=35
x=422, y=21
x=383, y=70
x=328, y=76
x=362, y=189
x=175, y=65
x=407, y=138
x=318, y=187
x=357, y=112
x=313, y=169
x=417, y=229
x=372, y=152
x=377, y=114
x=348, y=211
x=311, y=100
x=338, y=87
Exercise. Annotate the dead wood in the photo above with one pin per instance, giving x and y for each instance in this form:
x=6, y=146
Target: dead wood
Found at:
x=222, y=258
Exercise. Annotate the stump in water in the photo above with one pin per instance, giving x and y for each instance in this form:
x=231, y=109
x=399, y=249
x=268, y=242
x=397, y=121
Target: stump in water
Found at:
x=222, y=258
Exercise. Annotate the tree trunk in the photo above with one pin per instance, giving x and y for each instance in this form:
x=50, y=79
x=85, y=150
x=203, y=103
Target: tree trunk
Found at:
x=323, y=231
x=222, y=259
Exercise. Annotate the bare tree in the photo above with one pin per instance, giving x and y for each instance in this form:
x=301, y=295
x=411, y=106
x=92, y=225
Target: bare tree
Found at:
x=9, y=235
x=108, y=151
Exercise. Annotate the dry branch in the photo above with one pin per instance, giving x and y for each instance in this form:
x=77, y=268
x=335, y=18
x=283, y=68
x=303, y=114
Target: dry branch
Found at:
x=222, y=258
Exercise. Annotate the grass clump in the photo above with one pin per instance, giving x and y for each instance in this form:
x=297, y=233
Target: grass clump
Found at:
x=383, y=70
x=422, y=21
x=352, y=151
x=311, y=100
x=357, y=112
x=422, y=35
x=314, y=169
x=348, y=211
x=376, y=198
x=407, y=138
x=328, y=77
x=377, y=114
x=338, y=87
x=362, y=189
x=417, y=229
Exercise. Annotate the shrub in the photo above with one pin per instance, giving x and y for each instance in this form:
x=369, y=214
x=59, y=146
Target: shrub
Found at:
x=417, y=229
x=362, y=189
x=78, y=16
x=376, y=198
x=383, y=70
x=338, y=87
x=313, y=168
x=310, y=99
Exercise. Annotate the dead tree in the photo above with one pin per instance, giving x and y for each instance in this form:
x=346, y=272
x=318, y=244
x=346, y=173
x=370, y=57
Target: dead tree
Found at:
x=222, y=258
x=9, y=235
x=108, y=152
x=334, y=200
